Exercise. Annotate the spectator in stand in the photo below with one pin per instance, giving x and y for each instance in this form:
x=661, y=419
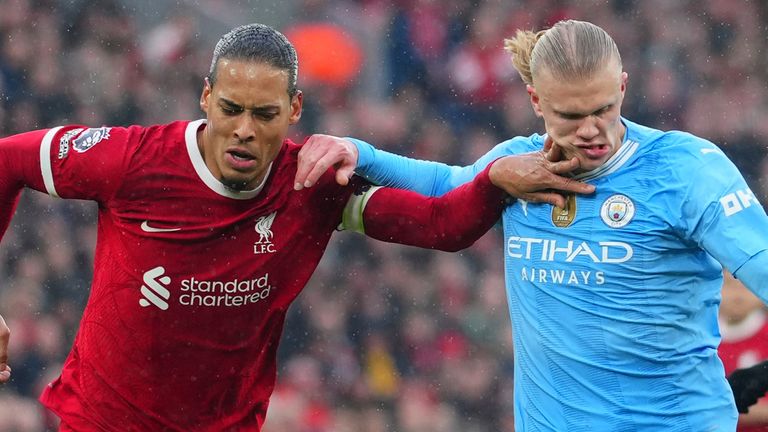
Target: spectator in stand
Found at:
x=744, y=329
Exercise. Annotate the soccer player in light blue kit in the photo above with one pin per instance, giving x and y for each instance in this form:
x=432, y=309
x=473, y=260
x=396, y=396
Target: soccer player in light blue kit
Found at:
x=613, y=297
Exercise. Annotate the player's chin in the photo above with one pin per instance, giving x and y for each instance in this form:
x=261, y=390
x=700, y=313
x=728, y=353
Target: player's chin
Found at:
x=238, y=182
x=591, y=163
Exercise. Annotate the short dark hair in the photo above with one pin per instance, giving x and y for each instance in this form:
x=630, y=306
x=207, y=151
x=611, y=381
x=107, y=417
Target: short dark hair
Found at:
x=260, y=43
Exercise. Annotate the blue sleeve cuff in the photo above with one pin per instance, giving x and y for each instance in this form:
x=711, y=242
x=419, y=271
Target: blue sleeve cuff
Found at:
x=366, y=153
x=754, y=275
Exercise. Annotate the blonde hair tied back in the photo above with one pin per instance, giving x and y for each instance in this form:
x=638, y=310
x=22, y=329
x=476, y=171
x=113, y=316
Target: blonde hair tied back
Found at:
x=569, y=50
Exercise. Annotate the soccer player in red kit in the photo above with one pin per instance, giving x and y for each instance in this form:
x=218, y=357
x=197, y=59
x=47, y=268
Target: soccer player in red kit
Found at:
x=203, y=243
x=744, y=330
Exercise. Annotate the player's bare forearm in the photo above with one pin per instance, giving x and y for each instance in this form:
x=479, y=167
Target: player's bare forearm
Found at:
x=450, y=223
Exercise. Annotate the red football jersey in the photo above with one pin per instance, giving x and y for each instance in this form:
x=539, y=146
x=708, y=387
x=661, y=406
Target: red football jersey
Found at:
x=191, y=281
x=744, y=345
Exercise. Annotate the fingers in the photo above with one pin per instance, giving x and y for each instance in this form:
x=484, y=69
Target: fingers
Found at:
x=552, y=152
x=320, y=153
x=568, y=184
x=5, y=334
x=564, y=184
x=309, y=156
x=553, y=198
x=303, y=167
x=566, y=166
x=315, y=170
x=344, y=173
x=548, y=141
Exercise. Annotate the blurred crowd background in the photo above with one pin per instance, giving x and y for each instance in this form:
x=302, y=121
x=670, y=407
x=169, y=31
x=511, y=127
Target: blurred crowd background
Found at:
x=384, y=338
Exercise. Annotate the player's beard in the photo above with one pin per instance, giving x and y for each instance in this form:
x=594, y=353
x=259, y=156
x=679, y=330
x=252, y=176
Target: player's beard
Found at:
x=236, y=185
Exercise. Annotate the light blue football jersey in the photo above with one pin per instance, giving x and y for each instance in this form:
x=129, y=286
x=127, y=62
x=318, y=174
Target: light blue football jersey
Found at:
x=614, y=299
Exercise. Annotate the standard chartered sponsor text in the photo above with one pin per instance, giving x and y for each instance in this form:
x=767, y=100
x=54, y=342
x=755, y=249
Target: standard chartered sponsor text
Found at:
x=231, y=293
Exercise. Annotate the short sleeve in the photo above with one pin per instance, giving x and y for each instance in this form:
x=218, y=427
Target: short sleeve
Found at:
x=86, y=163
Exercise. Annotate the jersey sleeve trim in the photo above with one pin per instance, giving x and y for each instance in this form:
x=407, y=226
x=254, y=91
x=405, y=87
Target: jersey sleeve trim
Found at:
x=754, y=274
x=45, y=161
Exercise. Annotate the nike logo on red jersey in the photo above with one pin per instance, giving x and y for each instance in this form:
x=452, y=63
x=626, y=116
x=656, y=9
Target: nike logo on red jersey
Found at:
x=150, y=229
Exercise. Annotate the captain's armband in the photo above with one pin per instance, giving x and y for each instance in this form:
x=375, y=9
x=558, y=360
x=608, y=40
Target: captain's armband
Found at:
x=352, y=218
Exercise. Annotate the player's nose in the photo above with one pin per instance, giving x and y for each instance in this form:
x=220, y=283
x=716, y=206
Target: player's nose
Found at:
x=588, y=128
x=245, y=128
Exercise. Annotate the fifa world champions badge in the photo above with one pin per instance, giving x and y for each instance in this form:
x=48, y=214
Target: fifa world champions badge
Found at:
x=563, y=217
x=617, y=211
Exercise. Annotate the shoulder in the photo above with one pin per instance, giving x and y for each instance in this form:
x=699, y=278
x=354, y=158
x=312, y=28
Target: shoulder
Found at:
x=178, y=132
x=521, y=144
x=288, y=157
x=291, y=149
x=162, y=142
x=682, y=150
x=146, y=151
x=693, y=157
x=674, y=143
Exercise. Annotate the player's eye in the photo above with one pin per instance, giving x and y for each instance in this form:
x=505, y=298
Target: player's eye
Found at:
x=602, y=111
x=566, y=116
x=231, y=110
x=266, y=116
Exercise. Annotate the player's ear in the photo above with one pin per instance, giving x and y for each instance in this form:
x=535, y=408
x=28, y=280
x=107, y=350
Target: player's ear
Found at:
x=205, y=95
x=534, y=99
x=624, y=78
x=296, y=104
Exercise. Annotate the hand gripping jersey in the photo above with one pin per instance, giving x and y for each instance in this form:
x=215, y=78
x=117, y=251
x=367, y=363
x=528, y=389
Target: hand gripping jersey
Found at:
x=614, y=299
x=192, y=280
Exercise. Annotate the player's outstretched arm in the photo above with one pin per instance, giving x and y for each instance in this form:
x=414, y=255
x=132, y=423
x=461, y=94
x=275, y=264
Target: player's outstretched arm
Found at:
x=5, y=334
x=749, y=385
x=535, y=177
x=17, y=164
x=450, y=223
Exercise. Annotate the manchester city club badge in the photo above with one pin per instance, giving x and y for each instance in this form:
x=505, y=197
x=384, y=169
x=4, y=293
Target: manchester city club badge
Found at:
x=617, y=211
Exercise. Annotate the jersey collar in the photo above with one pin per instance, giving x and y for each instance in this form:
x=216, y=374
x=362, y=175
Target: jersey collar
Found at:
x=205, y=174
x=619, y=159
